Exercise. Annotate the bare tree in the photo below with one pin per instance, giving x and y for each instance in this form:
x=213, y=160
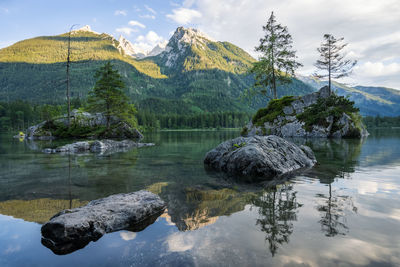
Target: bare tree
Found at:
x=332, y=59
x=68, y=80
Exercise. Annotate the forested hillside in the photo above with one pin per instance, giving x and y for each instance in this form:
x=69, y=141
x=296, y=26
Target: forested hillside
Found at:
x=192, y=76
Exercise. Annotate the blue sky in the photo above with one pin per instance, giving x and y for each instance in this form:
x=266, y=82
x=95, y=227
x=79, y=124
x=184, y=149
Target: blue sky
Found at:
x=370, y=27
x=22, y=19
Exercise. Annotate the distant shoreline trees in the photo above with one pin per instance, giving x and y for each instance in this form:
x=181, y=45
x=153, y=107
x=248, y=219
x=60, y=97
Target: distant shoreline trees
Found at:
x=277, y=63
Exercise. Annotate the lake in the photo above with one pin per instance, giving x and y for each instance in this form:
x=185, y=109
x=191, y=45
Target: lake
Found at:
x=345, y=211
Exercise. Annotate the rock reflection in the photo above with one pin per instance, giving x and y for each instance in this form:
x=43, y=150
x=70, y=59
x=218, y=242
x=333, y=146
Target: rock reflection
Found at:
x=277, y=208
x=194, y=208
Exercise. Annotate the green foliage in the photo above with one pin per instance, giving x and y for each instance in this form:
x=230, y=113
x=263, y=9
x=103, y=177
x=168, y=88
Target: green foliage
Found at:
x=61, y=130
x=244, y=131
x=236, y=146
x=107, y=96
x=272, y=111
x=278, y=61
x=214, y=120
x=333, y=105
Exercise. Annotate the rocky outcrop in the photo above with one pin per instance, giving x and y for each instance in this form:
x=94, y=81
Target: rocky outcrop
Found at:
x=97, y=146
x=46, y=130
x=73, y=229
x=259, y=156
x=288, y=121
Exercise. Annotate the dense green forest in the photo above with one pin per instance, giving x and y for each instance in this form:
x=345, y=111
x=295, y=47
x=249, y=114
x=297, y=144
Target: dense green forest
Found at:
x=19, y=115
x=381, y=122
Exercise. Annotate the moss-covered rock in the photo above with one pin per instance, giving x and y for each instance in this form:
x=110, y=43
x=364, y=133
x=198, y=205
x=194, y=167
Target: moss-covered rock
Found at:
x=319, y=114
x=83, y=125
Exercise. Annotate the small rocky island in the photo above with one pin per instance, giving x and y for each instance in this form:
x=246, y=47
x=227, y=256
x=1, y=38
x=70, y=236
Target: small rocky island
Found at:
x=83, y=125
x=259, y=156
x=73, y=229
x=319, y=114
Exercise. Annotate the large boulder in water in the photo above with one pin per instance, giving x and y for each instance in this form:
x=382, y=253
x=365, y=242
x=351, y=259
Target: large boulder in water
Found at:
x=259, y=156
x=72, y=229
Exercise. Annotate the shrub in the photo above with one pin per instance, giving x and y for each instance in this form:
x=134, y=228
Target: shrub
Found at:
x=333, y=105
x=272, y=111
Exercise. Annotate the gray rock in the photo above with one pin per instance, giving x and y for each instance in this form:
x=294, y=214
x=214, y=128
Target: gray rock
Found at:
x=97, y=146
x=289, y=126
x=288, y=110
x=324, y=92
x=293, y=129
x=259, y=156
x=298, y=106
x=72, y=229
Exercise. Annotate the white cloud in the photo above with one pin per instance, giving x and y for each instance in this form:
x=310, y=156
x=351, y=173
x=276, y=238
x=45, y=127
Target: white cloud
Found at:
x=372, y=37
x=127, y=236
x=120, y=13
x=178, y=242
x=150, y=9
x=377, y=74
x=184, y=15
x=125, y=30
x=136, y=23
x=376, y=69
x=147, y=42
x=147, y=16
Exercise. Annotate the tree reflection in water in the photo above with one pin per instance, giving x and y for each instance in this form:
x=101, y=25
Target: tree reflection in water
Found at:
x=333, y=210
x=277, y=208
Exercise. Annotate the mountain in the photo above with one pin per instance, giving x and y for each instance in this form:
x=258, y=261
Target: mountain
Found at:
x=158, y=49
x=126, y=47
x=190, y=74
x=189, y=50
x=371, y=101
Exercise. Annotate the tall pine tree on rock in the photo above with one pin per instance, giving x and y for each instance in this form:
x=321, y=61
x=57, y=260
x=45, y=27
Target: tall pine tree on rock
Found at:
x=109, y=98
x=332, y=59
x=277, y=63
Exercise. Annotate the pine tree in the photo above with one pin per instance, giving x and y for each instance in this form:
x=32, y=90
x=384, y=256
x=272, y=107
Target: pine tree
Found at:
x=278, y=61
x=332, y=59
x=108, y=97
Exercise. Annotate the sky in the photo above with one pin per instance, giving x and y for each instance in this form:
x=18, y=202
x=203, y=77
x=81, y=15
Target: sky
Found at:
x=372, y=28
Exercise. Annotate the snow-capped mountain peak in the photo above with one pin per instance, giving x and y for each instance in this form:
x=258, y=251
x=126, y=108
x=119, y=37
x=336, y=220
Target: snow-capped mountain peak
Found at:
x=126, y=46
x=85, y=28
x=158, y=49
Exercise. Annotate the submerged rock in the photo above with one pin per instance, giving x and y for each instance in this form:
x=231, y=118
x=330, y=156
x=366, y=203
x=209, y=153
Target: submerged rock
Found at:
x=73, y=229
x=287, y=118
x=259, y=156
x=97, y=146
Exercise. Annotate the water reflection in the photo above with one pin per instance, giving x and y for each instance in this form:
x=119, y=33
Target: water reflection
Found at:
x=332, y=209
x=277, y=208
x=353, y=191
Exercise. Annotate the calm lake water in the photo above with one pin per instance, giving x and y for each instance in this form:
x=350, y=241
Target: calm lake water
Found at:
x=345, y=211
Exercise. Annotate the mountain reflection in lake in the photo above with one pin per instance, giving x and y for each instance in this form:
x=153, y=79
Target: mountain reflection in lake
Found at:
x=344, y=211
